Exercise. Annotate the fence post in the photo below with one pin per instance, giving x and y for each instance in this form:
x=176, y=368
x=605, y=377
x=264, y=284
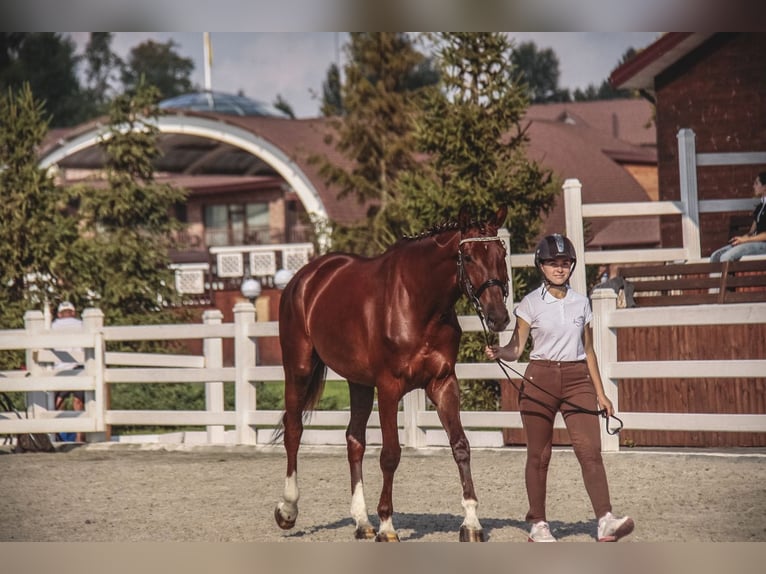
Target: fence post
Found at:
x=687, y=171
x=414, y=401
x=505, y=235
x=37, y=401
x=244, y=358
x=574, y=231
x=212, y=349
x=605, y=347
x=97, y=401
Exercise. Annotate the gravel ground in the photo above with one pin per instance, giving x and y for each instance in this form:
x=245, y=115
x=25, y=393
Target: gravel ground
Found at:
x=143, y=493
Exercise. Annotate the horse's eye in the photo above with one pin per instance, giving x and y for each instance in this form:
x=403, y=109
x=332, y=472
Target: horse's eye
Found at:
x=467, y=258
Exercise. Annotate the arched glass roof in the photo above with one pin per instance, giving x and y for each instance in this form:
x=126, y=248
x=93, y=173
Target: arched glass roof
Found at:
x=221, y=103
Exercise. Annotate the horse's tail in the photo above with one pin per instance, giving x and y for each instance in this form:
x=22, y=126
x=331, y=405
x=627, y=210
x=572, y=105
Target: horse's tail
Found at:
x=311, y=398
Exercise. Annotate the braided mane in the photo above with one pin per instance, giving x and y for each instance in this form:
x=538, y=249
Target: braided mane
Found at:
x=445, y=226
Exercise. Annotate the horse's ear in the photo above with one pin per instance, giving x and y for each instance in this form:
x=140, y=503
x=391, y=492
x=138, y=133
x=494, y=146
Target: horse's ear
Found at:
x=500, y=215
x=464, y=217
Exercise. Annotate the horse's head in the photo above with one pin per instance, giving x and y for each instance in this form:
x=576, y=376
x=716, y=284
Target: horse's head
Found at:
x=482, y=270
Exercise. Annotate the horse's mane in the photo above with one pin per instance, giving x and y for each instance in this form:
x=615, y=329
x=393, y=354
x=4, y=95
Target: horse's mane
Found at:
x=443, y=227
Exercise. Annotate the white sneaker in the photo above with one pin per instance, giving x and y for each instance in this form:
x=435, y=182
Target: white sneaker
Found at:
x=611, y=528
x=540, y=532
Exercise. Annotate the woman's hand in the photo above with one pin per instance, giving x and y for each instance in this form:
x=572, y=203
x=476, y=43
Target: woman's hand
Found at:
x=492, y=352
x=605, y=403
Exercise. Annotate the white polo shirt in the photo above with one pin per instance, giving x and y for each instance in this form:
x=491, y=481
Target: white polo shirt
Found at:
x=556, y=324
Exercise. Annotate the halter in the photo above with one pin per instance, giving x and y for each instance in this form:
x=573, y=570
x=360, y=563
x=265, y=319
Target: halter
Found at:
x=465, y=281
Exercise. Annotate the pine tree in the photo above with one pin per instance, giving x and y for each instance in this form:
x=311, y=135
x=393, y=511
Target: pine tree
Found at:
x=472, y=135
x=128, y=225
x=376, y=132
x=36, y=229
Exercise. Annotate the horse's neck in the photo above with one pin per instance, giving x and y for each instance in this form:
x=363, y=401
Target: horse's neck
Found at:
x=439, y=269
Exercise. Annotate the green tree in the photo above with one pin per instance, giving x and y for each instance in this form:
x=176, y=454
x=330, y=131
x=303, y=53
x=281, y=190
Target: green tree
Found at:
x=48, y=63
x=539, y=72
x=127, y=227
x=376, y=132
x=102, y=71
x=159, y=65
x=36, y=229
x=332, y=100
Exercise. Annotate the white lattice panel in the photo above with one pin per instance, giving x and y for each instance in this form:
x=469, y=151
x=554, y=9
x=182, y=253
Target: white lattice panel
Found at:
x=293, y=258
x=191, y=281
x=262, y=263
x=230, y=265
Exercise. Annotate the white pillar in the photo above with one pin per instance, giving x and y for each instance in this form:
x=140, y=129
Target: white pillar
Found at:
x=505, y=336
x=605, y=348
x=37, y=401
x=414, y=401
x=244, y=358
x=96, y=401
x=212, y=348
x=687, y=171
x=574, y=231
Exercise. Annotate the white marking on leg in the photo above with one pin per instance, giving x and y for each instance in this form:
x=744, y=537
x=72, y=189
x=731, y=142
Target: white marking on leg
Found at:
x=387, y=525
x=471, y=519
x=289, y=505
x=359, y=507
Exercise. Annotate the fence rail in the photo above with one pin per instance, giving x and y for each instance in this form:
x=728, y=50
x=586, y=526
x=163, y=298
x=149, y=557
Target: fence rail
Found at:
x=419, y=426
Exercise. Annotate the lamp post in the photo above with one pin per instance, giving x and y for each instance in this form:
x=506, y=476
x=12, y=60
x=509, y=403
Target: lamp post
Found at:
x=250, y=289
x=282, y=278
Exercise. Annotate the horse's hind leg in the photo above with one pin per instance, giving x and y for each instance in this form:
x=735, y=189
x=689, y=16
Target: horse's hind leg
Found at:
x=286, y=512
x=361, y=398
x=302, y=389
x=446, y=397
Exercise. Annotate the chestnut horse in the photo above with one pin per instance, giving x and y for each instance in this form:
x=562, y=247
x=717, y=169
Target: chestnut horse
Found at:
x=388, y=323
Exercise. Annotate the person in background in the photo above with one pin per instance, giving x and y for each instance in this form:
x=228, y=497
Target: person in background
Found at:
x=564, y=376
x=754, y=241
x=67, y=320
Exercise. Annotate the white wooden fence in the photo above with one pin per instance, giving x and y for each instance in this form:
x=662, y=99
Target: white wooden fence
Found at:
x=419, y=426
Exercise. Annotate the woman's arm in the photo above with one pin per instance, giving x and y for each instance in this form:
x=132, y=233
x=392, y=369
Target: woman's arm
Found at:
x=512, y=351
x=593, y=370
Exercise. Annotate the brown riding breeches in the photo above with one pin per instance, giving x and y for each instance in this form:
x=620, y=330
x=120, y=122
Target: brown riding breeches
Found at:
x=570, y=381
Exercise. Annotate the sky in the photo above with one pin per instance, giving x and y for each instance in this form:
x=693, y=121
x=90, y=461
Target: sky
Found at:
x=294, y=64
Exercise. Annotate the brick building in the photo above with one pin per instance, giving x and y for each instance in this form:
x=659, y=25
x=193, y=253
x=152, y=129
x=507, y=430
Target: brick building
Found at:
x=715, y=85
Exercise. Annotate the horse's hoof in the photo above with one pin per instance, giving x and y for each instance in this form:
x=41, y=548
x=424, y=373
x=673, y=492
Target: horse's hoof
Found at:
x=365, y=533
x=387, y=537
x=282, y=522
x=471, y=535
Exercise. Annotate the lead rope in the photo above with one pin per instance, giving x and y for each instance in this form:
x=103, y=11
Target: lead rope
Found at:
x=503, y=365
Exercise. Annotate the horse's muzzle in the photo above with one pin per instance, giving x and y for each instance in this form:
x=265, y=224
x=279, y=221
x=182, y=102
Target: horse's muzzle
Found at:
x=497, y=322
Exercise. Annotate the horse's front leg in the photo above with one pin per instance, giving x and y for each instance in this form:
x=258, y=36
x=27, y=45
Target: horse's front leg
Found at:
x=361, y=399
x=390, y=455
x=445, y=395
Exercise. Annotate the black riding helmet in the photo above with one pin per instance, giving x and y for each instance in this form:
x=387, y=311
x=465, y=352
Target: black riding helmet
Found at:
x=554, y=247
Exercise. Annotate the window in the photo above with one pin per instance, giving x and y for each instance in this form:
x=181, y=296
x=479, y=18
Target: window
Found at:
x=237, y=224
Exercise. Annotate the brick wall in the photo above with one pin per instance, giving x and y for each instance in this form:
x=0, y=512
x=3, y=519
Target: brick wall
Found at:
x=718, y=91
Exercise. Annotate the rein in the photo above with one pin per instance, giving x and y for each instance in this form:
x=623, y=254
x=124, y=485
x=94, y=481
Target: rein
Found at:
x=474, y=298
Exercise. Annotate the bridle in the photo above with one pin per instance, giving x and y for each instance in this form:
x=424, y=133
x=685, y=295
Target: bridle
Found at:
x=465, y=281
x=473, y=296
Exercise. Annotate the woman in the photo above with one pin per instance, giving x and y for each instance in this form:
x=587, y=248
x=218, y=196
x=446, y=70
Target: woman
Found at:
x=754, y=242
x=563, y=372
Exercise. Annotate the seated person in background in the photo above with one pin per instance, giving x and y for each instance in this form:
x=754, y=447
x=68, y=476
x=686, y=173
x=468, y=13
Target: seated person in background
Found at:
x=754, y=242
x=66, y=319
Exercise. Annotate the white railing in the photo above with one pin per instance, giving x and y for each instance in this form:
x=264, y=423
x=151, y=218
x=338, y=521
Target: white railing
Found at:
x=419, y=426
